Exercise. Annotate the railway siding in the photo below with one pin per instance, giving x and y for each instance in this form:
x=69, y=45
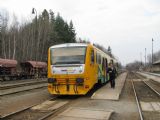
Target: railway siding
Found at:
x=150, y=76
x=85, y=108
x=148, y=99
x=18, y=84
x=40, y=111
x=19, y=87
x=150, y=106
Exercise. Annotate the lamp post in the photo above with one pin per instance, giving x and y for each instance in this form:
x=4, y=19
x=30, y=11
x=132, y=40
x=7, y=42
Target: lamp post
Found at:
x=0, y=22
x=34, y=11
x=1, y=34
x=152, y=51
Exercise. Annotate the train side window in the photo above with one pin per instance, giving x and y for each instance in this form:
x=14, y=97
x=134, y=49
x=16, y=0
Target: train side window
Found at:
x=92, y=57
x=106, y=62
x=96, y=57
x=102, y=63
x=100, y=59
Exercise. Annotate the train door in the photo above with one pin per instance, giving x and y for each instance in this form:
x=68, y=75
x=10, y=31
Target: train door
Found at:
x=93, y=72
x=103, y=70
x=106, y=66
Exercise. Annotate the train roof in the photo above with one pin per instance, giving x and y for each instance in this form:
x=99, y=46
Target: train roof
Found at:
x=35, y=64
x=82, y=45
x=70, y=45
x=8, y=63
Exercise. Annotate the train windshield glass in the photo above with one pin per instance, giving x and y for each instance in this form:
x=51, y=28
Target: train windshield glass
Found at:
x=68, y=55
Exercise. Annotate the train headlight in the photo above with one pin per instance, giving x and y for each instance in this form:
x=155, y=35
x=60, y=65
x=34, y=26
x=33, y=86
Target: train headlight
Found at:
x=80, y=80
x=51, y=80
x=81, y=69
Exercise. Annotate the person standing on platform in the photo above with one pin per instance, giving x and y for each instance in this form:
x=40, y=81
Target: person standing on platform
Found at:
x=112, y=74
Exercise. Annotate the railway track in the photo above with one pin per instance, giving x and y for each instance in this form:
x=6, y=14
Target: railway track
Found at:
x=154, y=74
x=10, y=82
x=47, y=109
x=3, y=87
x=13, y=113
x=41, y=111
x=146, y=95
x=137, y=102
x=19, y=87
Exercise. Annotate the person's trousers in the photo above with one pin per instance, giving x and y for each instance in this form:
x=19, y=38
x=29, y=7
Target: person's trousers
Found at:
x=112, y=82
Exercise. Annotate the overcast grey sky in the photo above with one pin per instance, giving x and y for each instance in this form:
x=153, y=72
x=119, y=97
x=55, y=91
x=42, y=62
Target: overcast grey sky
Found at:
x=128, y=26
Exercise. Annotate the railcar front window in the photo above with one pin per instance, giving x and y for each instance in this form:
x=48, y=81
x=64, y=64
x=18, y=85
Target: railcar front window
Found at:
x=68, y=55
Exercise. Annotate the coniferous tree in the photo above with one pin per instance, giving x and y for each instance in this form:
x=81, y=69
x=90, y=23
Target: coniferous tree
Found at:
x=109, y=50
x=72, y=32
x=31, y=40
x=52, y=34
x=59, y=28
x=66, y=38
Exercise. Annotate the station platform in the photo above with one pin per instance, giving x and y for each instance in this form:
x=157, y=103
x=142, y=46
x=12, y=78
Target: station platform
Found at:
x=108, y=93
x=150, y=76
x=77, y=113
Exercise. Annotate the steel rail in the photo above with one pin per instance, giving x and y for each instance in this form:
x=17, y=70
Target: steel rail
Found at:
x=23, y=90
x=41, y=118
x=56, y=110
x=52, y=112
x=16, y=112
x=19, y=111
x=3, y=87
x=149, y=86
x=154, y=74
x=137, y=101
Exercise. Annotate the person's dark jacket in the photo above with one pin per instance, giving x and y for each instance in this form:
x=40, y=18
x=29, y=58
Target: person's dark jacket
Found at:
x=112, y=73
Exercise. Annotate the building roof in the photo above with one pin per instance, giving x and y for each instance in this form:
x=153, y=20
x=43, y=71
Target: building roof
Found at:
x=8, y=63
x=156, y=62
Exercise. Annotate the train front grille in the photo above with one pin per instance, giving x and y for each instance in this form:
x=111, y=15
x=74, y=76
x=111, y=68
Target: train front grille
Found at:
x=65, y=81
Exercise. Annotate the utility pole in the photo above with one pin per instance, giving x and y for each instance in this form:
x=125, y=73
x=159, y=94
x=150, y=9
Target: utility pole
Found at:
x=141, y=58
x=145, y=56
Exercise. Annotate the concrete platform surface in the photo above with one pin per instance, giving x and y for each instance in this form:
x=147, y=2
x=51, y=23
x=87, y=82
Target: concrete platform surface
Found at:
x=149, y=76
x=150, y=106
x=49, y=105
x=76, y=113
x=108, y=93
